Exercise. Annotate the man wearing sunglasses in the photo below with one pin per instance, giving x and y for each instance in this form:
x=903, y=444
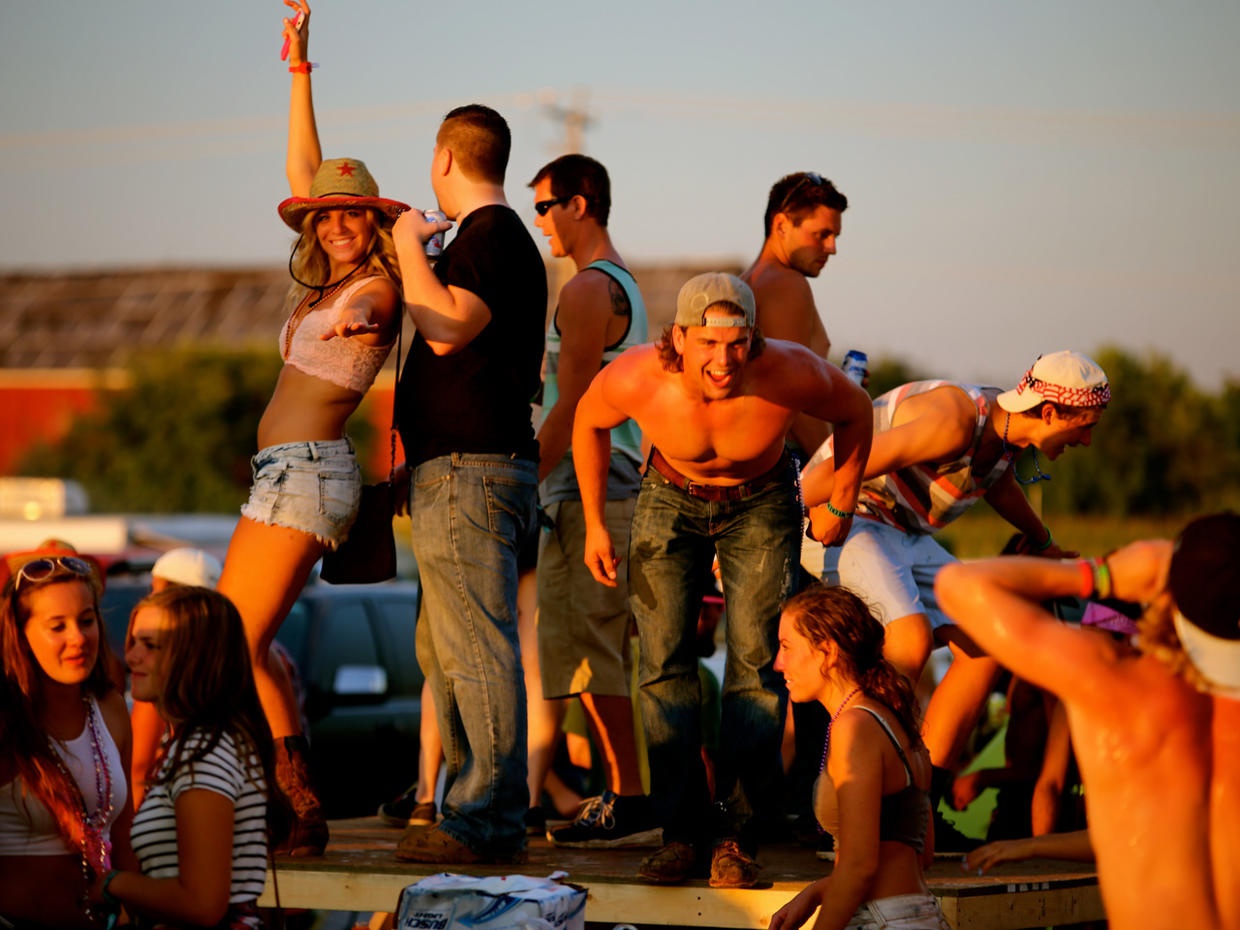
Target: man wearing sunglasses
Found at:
x=583, y=627
x=801, y=224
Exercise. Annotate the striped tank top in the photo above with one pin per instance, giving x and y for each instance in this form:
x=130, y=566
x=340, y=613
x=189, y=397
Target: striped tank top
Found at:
x=924, y=498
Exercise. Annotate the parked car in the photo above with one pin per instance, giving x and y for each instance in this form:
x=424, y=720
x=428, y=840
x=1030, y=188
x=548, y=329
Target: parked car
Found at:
x=354, y=650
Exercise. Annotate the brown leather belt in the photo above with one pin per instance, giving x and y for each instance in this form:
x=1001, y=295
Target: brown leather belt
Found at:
x=717, y=492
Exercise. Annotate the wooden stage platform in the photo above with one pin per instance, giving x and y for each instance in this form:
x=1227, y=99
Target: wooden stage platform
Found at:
x=359, y=873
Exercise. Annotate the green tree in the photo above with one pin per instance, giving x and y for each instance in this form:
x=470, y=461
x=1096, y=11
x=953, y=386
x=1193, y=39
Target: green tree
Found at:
x=1162, y=447
x=178, y=439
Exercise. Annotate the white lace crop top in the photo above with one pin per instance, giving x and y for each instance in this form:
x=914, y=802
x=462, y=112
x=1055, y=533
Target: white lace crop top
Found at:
x=348, y=363
x=27, y=828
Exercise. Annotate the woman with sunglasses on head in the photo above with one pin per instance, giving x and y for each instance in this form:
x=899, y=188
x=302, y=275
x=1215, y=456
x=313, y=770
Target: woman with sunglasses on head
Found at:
x=344, y=317
x=201, y=833
x=64, y=748
x=873, y=791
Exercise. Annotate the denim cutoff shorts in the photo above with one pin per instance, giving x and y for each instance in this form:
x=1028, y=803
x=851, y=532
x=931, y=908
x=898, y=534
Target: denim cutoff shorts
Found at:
x=313, y=487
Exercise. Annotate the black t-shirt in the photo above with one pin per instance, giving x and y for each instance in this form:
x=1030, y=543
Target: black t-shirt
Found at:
x=478, y=399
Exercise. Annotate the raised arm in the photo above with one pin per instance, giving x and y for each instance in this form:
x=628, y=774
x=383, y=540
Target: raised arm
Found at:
x=304, y=155
x=448, y=317
x=597, y=413
x=998, y=603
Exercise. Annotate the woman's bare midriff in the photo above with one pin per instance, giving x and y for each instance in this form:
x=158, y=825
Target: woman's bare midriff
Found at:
x=899, y=871
x=46, y=890
x=304, y=408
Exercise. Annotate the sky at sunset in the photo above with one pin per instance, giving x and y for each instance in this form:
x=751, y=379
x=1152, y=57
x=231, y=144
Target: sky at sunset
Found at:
x=1021, y=177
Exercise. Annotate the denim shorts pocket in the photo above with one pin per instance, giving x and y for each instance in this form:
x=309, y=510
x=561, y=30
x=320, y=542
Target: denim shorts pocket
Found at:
x=339, y=494
x=268, y=468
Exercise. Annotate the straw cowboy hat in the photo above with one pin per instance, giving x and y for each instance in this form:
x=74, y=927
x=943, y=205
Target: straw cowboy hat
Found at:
x=339, y=183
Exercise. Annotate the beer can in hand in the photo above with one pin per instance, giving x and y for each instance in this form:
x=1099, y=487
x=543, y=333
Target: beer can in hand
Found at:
x=434, y=245
x=856, y=364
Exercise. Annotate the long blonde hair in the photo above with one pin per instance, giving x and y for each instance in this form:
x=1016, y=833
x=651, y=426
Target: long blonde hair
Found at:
x=308, y=262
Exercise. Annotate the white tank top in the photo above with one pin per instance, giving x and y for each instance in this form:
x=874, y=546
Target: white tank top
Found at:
x=28, y=828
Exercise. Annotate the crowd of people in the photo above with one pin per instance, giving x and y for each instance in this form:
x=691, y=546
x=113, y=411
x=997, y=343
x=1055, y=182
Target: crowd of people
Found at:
x=728, y=439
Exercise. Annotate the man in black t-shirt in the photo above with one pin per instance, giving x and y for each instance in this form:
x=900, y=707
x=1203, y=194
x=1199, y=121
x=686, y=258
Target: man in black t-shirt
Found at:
x=463, y=410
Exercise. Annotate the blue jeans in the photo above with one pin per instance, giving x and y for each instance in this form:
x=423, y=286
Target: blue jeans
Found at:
x=674, y=538
x=470, y=515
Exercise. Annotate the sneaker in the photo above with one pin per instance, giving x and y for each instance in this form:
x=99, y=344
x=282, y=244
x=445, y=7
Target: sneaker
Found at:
x=732, y=867
x=398, y=812
x=433, y=845
x=673, y=863
x=610, y=822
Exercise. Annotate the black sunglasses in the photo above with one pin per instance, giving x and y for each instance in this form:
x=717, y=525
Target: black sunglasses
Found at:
x=812, y=176
x=43, y=569
x=542, y=206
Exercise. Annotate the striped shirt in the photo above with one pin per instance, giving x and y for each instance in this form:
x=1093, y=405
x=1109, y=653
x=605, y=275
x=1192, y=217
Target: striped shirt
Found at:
x=924, y=498
x=154, y=833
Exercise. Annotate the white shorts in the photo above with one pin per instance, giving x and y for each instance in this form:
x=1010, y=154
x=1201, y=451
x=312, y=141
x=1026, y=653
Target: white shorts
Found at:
x=900, y=912
x=892, y=571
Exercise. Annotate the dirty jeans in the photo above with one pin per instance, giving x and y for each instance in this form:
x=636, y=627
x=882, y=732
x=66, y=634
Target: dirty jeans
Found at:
x=470, y=516
x=674, y=539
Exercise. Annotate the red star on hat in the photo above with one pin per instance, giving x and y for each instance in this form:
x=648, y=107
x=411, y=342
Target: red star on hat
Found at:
x=346, y=170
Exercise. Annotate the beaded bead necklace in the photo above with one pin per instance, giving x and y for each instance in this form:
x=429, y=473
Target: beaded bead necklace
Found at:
x=1033, y=479
x=96, y=847
x=826, y=743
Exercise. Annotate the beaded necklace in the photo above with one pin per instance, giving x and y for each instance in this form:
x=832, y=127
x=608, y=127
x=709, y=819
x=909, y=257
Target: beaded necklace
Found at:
x=826, y=743
x=96, y=847
x=1033, y=479
x=306, y=305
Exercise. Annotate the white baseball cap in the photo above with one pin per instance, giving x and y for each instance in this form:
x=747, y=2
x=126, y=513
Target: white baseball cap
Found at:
x=1067, y=378
x=188, y=567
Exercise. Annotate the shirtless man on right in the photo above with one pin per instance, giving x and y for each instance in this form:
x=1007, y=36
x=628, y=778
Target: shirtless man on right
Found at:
x=1156, y=729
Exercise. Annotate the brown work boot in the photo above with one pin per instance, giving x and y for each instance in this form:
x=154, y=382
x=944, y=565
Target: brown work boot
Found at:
x=433, y=845
x=670, y=865
x=307, y=829
x=732, y=867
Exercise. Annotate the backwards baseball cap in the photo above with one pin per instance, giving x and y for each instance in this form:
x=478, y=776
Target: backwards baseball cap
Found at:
x=188, y=567
x=1205, y=583
x=1067, y=378
x=715, y=287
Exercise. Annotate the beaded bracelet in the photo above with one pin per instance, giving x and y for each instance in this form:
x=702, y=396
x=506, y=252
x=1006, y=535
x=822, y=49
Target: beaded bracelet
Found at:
x=109, y=898
x=1101, y=578
x=1087, y=578
x=1042, y=547
x=303, y=68
x=839, y=514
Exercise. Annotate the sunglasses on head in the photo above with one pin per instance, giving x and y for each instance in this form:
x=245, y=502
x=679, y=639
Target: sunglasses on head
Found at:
x=811, y=176
x=542, y=206
x=40, y=570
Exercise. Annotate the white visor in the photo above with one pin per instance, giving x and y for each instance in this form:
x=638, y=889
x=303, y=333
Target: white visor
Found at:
x=1217, y=659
